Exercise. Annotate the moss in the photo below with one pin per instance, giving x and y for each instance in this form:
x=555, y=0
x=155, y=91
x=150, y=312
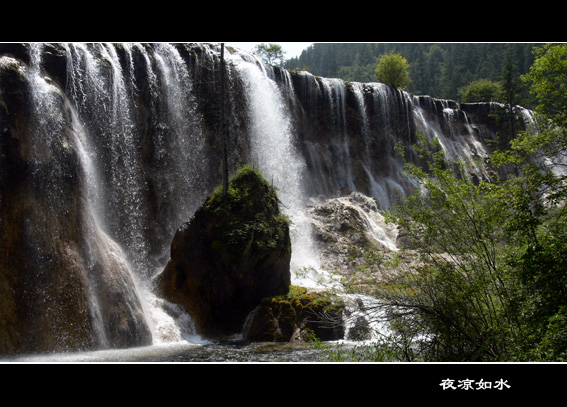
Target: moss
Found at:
x=249, y=214
x=296, y=291
x=298, y=315
x=302, y=301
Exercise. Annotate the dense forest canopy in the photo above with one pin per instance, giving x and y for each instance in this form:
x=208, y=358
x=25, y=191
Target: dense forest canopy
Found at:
x=436, y=69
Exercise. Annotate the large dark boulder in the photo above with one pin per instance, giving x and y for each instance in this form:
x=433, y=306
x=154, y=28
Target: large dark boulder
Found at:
x=235, y=251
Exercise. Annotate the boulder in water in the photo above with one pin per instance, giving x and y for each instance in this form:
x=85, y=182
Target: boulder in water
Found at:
x=235, y=251
x=299, y=316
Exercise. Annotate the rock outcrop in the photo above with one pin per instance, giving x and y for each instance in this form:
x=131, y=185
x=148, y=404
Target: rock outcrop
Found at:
x=234, y=252
x=349, y=228
x=300, y=315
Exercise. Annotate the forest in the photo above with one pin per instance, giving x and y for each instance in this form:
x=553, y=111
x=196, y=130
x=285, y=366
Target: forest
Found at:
x=437, y=69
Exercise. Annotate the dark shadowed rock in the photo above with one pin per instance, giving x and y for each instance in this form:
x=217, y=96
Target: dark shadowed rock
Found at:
x=301, y=315
x=233, y=253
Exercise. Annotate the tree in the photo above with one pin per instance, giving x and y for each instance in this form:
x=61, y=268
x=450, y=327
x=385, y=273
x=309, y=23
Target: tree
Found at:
x=272, y=54
x=458, y=295
x=481, y=90
x=512, y=88
x=434, y=59
x=393, y=70
x=547, y=78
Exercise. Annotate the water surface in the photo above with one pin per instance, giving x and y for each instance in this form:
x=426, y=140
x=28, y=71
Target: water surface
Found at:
x=186, y=352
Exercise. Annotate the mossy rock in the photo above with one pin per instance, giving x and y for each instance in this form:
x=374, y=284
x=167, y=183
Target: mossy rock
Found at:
x=249, y=214
x=235, y=251
x=301, y=315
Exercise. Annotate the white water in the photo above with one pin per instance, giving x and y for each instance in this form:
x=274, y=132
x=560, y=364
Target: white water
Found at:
x=374, y=221
x=275, y=154
x=106, y=109
x=336, y=93
x=50, y=138
x=108, y=117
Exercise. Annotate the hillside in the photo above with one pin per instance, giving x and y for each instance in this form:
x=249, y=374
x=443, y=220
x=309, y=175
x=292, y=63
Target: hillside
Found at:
x=437, y=69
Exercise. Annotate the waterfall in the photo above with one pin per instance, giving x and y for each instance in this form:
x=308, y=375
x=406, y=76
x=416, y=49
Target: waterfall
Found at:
x=335, y=90
x=274, y=151
x=57, y=137
x=111, y=150
x=97, y=87
x=140, y=123
x=47, y=126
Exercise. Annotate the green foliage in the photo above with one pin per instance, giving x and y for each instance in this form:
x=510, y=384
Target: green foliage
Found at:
x=459, y=296
x=490, y=284
x=436, y=69
x=270, y=53
x=547, y=78
x=250, y=212
x=393, y=70
x=374, y=257
x=553, y=343
x=481, y=90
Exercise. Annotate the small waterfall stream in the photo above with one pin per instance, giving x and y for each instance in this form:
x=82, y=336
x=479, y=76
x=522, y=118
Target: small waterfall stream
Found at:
x=125, y=180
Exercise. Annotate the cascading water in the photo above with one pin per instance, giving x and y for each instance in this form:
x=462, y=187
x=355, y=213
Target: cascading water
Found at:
x=145, y=143
x=274, y=151
x=110, y=150
x=107, y=116
x=56, y=142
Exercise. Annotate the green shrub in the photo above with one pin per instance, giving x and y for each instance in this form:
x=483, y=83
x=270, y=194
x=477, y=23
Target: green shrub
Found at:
x=482, y=90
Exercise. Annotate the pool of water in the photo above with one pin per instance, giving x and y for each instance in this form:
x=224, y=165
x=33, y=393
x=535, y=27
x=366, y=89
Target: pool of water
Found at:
x=185, y=352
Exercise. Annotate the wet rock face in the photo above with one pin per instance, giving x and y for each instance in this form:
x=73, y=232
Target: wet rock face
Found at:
x=62, y=283
x=346, y=229
x=230, y=255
